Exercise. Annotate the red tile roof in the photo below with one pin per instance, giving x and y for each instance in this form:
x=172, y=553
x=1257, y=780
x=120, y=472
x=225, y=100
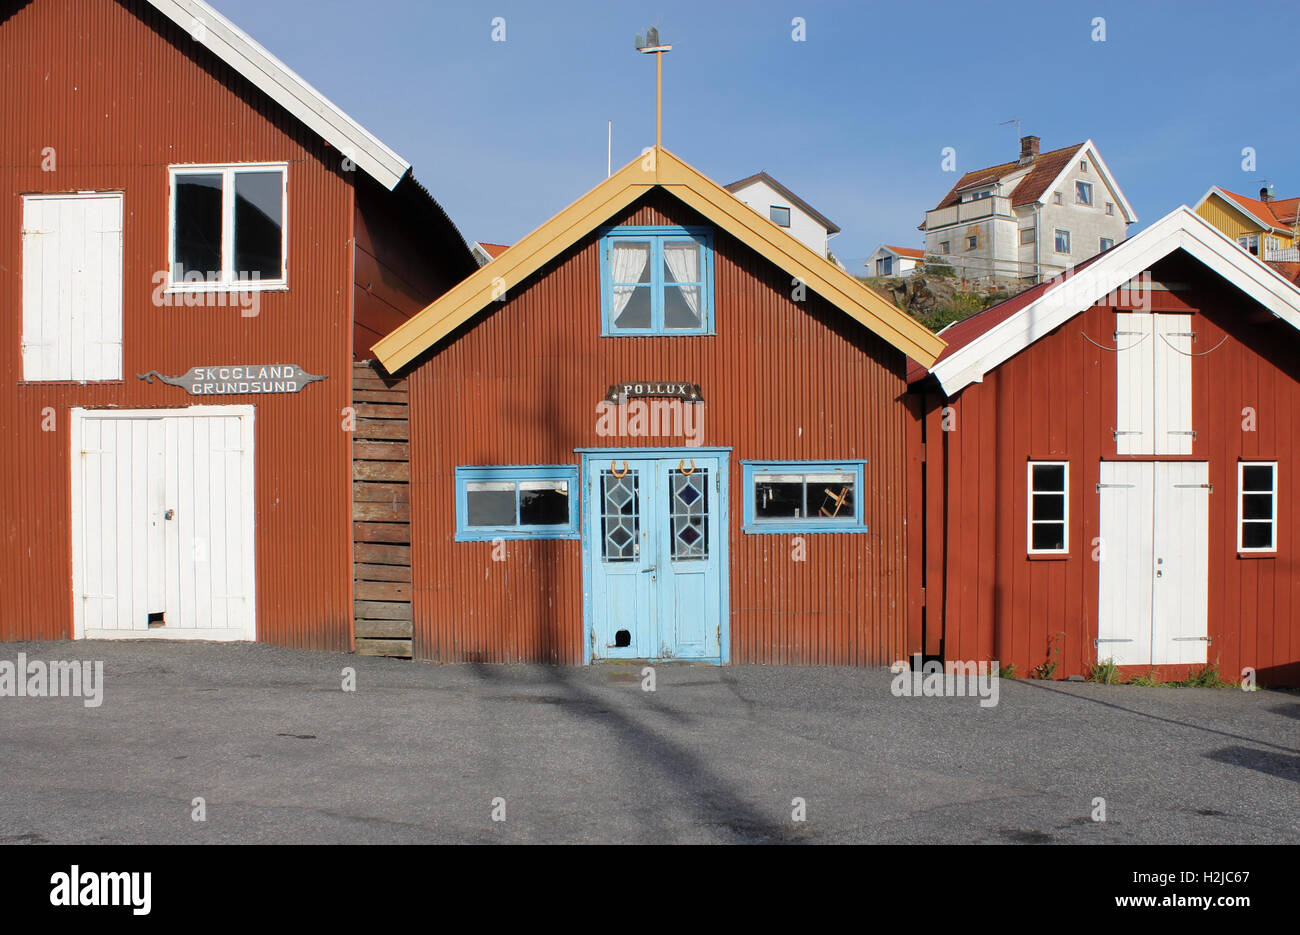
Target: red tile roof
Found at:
x=910, y=252
x=963, y=332
x=1045, y=170
x=494, y=250
x=1287, y=269
x=1280, y=213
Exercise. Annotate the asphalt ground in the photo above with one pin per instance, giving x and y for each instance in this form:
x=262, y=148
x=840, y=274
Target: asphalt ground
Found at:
x=279, y=753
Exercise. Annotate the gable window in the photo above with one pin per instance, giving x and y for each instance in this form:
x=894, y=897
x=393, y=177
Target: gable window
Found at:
x=1049, y=508
x=803, y=496
x=1107, y=243
x=972, y=242
x=529, y=502
x=1249, y=243
x=1083, y=193
x=72, y=286
x=227, y=227
x=779, y=215
x=1110, y=208
x=1057, y=199
x=656, y=280
x=1083, y=165
x=1062, y=241
x=1257, y=506
x=1027, y=235
x=885, y=266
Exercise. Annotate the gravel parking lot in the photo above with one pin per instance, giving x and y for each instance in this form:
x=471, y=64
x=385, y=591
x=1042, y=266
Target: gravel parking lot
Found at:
x=278, y=752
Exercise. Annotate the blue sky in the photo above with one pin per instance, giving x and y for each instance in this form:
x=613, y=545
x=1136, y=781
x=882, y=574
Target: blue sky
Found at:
x=854, y=119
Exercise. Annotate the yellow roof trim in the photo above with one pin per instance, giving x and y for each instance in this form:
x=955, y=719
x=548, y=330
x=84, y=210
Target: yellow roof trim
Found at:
x=657, y=167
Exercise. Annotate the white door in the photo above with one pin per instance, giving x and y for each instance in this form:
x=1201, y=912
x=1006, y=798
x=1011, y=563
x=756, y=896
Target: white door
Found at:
x=1152, y=579
x=163, y=523
x=1179, y=623
x=72, y=287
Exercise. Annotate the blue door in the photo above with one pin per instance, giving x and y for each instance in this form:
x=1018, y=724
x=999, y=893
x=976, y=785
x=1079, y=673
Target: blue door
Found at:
x=656, y=530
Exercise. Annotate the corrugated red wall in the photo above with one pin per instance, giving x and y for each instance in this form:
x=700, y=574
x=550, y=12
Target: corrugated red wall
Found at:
x=986, y=599
x=118, y=99
x=781, y=379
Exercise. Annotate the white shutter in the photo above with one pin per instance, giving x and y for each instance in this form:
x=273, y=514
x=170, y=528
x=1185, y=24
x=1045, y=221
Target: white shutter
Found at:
x=1173, y=384
x=1182, y=509
x=1124, y=573
x=72, y=287
x=1134, y=429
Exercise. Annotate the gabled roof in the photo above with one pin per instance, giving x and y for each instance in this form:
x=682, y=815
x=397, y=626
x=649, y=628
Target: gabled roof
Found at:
x=493, y=250
x=238, y=50
x=794, y=199
x=1044, y=174
x=1278, y=215
x=980, y=343
x=911, y=253
x=658, y=168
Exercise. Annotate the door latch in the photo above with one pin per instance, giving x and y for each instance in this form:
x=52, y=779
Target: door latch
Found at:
x=169, y=514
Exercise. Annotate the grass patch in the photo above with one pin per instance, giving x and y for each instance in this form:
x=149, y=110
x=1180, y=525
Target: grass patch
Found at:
x=1207, y=676
x=1147, y=680
x=1104, y=673
x=1007, y=671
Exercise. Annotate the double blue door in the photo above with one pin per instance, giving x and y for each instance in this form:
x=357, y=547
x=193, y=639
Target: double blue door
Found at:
x=656, y=552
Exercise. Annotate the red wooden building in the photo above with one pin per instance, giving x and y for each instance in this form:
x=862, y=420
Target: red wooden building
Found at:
x=1105, y=467
x=658, y=427
x=176, y=203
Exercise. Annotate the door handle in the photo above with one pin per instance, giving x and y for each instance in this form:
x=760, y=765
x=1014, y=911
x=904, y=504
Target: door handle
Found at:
x=646, y=571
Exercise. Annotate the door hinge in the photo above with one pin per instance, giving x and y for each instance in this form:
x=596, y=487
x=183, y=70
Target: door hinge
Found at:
x=1099, y=642
x=1209, y=487
x=1116, y=433
x=1190, y=639
x=1191, y=432
x=1099, y=486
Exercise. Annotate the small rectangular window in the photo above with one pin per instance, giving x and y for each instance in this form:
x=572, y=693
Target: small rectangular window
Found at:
x=1027, y=235
x=516, y=502
x=945, y=246
x=656, y=281
x=779, y=215
x=1083, y=193
x=1106, y=243
x=1250, y=243
x=1057, y=199
x=1257, y=506
x=227, y=227
x=885, y=266
x=1083, y=165
x=1110, y=208
x=1062, y=241
x=803, y=496
x=972, y=242
x=1049, y=507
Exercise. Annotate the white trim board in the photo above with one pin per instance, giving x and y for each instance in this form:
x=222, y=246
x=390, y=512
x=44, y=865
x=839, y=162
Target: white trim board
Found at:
x=1182, y=229
x=242, y=53
x=1241, y=209
x=1102, y=170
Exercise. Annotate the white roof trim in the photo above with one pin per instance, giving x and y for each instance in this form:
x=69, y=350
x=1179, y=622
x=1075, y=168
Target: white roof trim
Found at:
x=1227, y=196
x=1129, y=215
x=242, y=53
x=1181, y=228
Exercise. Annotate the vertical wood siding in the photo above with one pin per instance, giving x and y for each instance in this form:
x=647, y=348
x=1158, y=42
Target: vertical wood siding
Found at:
x=782, y=380
x=119, y=97
x=1056, y=400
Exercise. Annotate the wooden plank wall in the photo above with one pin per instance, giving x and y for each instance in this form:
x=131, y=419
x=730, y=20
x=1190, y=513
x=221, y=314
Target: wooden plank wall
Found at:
x=381, y=513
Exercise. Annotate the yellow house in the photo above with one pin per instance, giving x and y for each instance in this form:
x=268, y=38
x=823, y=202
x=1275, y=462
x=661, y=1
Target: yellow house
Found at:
x=1264, y=226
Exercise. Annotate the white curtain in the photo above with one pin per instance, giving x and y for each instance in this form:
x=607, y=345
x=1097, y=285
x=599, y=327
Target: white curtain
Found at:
x=629, y=262
x=683, y=259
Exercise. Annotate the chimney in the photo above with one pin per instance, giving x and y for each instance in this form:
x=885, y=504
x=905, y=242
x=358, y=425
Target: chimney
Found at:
x=1028, y=149
x=1265, y=194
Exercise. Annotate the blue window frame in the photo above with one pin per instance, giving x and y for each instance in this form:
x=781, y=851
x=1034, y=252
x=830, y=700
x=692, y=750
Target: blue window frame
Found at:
x=656, y=281
x=804, y=496
x=516, y=502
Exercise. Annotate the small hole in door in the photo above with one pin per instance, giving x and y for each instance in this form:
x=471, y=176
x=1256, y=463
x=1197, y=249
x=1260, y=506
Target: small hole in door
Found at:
x=156, y=620
x=622, y=638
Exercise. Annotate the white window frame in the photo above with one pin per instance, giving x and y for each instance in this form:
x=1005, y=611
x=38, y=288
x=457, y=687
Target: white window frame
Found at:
x=1105, y=243
x=1031, y=232
x=227, y=283
x=1083, y=165
x=1056, y=242
x=1029, y=508
x=1110, y=208
x=1246, y=241
x=789, y=215
x=1241, y=519
x=1080, y=186
x=1058, y=198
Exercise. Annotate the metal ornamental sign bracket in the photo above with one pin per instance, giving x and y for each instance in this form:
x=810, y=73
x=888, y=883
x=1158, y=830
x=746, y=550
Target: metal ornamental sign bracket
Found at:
x=243, y=379
x=656, y=389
